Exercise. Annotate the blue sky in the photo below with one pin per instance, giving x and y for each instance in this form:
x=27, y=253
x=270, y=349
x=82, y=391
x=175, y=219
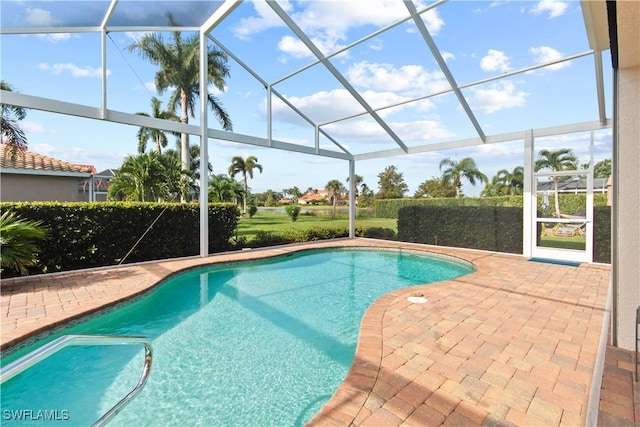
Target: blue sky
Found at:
x=477, y=39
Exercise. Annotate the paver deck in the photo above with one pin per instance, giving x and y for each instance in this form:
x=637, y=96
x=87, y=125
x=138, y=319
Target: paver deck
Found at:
x=514, y=343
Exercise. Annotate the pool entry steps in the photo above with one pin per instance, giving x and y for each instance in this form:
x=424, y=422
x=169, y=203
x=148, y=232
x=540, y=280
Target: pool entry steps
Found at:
x=41, y=353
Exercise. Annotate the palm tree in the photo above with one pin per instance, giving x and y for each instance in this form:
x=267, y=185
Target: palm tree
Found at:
x=18, y=242
x=357, y=180
x=244, y=167
x=11, y=132
x=222, y=188
x=455, y=171
x=179, y=63
x=142, y=178
x=156, y=135
x=557, y=160
x=335, y=188
x=513, y=181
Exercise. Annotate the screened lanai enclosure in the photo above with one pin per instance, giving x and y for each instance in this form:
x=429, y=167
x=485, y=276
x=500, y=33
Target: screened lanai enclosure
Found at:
x=349, y=81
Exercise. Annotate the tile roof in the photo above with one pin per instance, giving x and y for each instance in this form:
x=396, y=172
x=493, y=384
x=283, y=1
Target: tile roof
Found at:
x=33, y=161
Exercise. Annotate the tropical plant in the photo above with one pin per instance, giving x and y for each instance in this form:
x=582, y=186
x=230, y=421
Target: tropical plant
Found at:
x=12, y=134
x=391, y=184
x=179, y=71
x=513, y=181
x=558, y=160
x=143, y=178
x=357, y=181
x=602, y=169
x=455, y=171
x=19, y=242
x=158, y=136
x=245, y=167
x=494, y=188
x=222, y=188
x=335, y=188
x=293, y=211
x=366, y=196
x=433, y=188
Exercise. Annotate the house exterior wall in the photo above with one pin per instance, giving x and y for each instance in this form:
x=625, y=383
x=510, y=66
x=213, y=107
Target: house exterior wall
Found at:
x=627, y=232
x=32, y=188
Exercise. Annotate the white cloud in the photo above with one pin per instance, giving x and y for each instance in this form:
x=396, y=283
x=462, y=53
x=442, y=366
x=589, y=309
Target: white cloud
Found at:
x=408, y=79
x=321, y=106
x=327, y=23
x=265, y=18
x=498, y=96
x=495, y=60
x=54, y=38
x=370, y=131
x=75, y=71
x=447, y=55
x=553, y=7
x=34, y=128
x=40, y=18
x=543, y=54
x=327, y=106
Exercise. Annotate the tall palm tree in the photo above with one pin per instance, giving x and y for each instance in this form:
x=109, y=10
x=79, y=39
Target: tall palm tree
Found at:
x=158, y=136
x=335, y=188
x=11, y=132
x=455, y=171
x=557, y=160
x=513, y=181
x=244, y=167
x=142, y=178
x=179, y=71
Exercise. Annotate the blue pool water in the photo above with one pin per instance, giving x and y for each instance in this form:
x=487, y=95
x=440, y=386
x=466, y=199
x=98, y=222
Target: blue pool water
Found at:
x=256, y=343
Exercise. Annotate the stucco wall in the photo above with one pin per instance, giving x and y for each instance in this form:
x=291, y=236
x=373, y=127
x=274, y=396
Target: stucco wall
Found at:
x=628, y=229
x=31, y=188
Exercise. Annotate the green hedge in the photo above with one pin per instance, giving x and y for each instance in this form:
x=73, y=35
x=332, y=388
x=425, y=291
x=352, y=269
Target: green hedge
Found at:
x=602, y=234
x=269, y=238
x=490, y=228
x=570, y=203
x=83, y=235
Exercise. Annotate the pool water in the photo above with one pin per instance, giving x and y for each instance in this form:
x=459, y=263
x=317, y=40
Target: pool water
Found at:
x=255, y=343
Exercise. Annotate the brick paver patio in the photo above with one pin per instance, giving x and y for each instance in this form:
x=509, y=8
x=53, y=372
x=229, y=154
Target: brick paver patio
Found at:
x=514, y=343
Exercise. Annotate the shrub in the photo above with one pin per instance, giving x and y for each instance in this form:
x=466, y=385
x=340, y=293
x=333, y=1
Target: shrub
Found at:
x=293, y=211
x=251, y=210
x=379, y=233
x=87, y=235
x=19, y=243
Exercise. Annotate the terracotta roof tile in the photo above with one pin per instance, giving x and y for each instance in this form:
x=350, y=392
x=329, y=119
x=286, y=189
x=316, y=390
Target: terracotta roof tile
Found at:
x=35, y=161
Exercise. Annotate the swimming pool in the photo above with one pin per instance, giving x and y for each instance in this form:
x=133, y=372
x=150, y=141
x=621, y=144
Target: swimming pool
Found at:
x=253, y=343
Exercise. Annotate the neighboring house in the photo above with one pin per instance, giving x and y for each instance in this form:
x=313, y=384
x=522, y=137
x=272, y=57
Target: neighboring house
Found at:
x=31, y=177
x=315, y=197
x=320, y=196
x=574, y=185
x=100, y=182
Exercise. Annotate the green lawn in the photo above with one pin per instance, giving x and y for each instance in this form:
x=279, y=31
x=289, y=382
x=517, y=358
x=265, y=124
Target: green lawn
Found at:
x=278, y=222
x=575, y=243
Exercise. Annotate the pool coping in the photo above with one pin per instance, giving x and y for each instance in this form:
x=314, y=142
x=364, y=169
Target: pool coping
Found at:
x=378, y=387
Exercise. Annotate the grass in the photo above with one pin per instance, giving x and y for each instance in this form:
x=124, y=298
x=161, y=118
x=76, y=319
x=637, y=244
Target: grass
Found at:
x=560, y=242
x=279, y=222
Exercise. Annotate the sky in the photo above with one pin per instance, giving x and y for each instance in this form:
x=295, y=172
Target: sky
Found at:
x=476, y=39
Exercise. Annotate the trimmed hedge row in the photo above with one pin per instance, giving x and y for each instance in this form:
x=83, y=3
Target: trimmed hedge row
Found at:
x=83, y=235
x=269, y=238
x=570, y=203
x=490, y=228
x=602, y=234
